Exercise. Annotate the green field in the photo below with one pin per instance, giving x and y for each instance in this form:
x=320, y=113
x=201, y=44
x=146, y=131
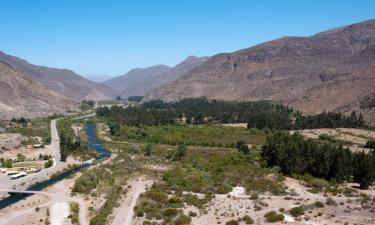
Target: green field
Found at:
x=29, y=164
x=199, y=135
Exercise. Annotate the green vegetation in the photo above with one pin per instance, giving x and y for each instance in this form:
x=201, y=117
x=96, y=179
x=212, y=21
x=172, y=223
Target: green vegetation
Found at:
x=217, y=171
x=370, y=144
x=135, y=98
x=327, y=137
x=36, y=127
x=48, y=164
x=242, y=147
x=70, y=144
x=297, y=211
x=261, y=114
x=155, y=204
x=7, y=163
x=198, y=135
x=273, y=217
x=247, y=219
x=87, y=105
x=106, y=180
x=328, y=120
x=74, y=216
x=295, y=155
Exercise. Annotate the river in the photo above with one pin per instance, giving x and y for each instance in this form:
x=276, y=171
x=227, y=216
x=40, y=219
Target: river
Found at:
x=93, y=143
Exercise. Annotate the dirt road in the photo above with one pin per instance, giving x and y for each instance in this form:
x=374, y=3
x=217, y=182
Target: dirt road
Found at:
x=124, y=214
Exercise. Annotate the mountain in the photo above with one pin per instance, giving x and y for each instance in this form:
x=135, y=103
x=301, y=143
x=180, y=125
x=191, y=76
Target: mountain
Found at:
x=136, y=81
x=99, y=78
x=140, y=81
x=332, y=70
x=20, y=96
x=62, y=81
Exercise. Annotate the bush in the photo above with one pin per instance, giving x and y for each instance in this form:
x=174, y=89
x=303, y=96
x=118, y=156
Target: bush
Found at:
x=232, y=222
x=319, y=204
x=247, y=219
x=48, y=164
x=297, y=211
x=273, y=217
x=330, y=201
x=370, y=143
x=182, y=220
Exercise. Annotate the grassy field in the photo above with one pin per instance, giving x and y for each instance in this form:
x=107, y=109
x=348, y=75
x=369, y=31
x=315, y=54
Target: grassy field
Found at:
x=199, y=135
x=29, y=164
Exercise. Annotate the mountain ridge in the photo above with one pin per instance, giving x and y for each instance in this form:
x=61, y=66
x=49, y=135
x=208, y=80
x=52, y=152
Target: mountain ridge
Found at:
x=139, y=81
x=20, y=95
x=331, y=70
x=63, y=81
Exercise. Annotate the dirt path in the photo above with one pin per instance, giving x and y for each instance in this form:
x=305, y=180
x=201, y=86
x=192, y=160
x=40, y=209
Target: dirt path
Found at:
x=124, y=214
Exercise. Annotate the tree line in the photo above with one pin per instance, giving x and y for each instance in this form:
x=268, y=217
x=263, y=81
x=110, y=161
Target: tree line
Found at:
x=258, y=114
x=295, y=155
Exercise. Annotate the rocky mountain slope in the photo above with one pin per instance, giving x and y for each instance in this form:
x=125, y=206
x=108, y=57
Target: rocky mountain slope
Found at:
x=20, y=96
x=64, y=82
x=140, y=81
x=332, y=70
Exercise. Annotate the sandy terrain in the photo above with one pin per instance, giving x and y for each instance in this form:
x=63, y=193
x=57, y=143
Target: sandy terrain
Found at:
x=237, y=204
x=10, y=141
x=124, y=214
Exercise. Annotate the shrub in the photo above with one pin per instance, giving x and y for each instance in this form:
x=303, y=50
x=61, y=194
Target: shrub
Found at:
x=182, y=220
x=330, y=201
x=192, y=214
x=297, y=211
x=247, y=219
x=319, y=204
x=370, y=143
x=232, y=222
x=273, y=217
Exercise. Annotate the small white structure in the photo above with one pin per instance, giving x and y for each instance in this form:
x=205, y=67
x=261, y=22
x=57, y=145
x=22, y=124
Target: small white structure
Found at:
x=238, y=192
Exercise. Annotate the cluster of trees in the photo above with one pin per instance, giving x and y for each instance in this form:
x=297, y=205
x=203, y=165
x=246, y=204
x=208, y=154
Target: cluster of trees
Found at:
x=69, y=142
x=87, y=105
x=135, y=98
x=328, y=120
x=6, y=163
x=135, y=116
x=295, y=155
x=260, y=115
x=21, y=120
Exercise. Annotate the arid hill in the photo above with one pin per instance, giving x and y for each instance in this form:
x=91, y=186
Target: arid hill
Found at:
x=140, y=81
x=332, y=70
x=20, y=96
x=62, y=81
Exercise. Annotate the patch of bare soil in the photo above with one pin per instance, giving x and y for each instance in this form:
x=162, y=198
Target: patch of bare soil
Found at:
x=241, y=125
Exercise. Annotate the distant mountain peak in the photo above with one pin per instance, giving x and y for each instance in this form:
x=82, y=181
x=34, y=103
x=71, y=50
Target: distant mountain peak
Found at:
x=139, y=81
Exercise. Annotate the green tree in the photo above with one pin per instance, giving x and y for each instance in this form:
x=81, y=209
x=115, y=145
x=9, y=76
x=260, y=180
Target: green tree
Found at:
x=20, y=157
x=364, y=169
x=180, y=152
x=242, y=147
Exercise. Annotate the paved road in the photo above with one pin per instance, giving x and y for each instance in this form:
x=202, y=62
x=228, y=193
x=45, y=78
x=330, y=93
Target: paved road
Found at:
x=24, y=182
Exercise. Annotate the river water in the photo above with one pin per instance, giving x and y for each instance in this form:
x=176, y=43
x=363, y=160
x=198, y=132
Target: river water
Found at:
x=93, y=143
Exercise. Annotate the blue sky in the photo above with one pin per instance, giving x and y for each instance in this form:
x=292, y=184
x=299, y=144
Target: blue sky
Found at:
x=108, y=37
